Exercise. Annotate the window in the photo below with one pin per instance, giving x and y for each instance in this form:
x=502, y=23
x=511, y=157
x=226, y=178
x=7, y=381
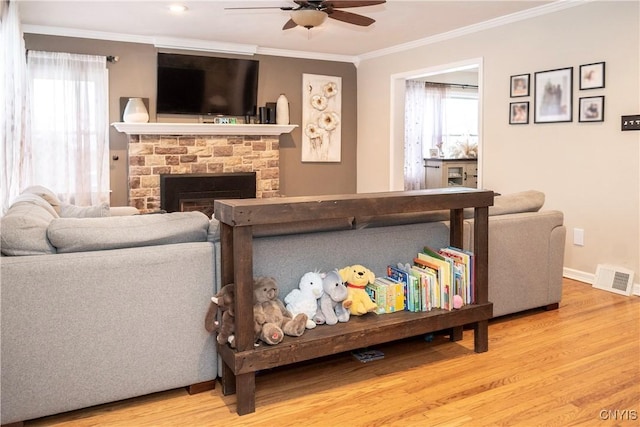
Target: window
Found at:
x=460, y=130
x=69, y=147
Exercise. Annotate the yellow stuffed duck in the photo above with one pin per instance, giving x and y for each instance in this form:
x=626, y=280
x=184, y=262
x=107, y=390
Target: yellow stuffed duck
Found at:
x=357, y=277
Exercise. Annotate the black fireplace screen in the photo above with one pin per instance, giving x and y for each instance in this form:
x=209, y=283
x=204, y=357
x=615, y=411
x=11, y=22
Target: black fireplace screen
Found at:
x=197, y=192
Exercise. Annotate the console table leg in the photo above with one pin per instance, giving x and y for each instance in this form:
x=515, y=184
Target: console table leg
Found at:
x=228, y=381
x=246, y=401
x=481, y=336
x=456, y=333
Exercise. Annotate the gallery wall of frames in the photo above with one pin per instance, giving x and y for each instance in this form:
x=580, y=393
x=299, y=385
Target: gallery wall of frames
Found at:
x=552, y=95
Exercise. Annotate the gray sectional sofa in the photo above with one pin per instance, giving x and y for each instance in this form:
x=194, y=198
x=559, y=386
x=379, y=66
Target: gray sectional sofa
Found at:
x=99, y=309
x=111, y=308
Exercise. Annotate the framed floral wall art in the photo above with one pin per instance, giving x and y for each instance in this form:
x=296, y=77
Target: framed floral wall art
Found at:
x=321, y=118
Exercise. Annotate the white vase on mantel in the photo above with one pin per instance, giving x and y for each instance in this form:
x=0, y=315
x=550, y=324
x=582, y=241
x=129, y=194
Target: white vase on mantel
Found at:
x=282, y=110
x=135, y=111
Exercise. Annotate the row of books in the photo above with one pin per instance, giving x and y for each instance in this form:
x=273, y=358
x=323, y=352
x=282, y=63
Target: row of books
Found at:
x=431, y=282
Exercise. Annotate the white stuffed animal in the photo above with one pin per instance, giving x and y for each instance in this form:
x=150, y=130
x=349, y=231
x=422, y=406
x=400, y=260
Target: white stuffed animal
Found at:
x=305, y=299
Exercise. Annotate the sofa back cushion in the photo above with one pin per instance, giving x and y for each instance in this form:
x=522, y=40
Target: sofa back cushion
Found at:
x=524, y=201
x=95, y=234
x=24, y=226
x=96, y=211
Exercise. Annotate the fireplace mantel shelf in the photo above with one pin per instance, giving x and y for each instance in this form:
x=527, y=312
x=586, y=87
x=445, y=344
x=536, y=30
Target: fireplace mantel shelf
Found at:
x=200, y=129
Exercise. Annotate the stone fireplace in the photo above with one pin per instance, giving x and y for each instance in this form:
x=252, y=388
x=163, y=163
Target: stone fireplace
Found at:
x=153, y=156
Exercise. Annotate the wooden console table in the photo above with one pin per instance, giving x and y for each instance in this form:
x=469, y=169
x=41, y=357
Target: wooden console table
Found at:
x=237, y=218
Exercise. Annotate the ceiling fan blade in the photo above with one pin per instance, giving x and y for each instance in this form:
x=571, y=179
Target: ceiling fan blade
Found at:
x=351, y=18
x=289, y=24
x=260, y=7
x=338, y=4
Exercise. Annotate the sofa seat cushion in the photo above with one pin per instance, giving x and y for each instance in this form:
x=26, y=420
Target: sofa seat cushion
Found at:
x=24, y=226
x=116, y=232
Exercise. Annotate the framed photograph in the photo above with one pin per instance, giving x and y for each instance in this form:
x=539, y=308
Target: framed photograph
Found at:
x=592, y=76
x=519, y=85
x=553, y=96
x=591, y=109
x=519, y=113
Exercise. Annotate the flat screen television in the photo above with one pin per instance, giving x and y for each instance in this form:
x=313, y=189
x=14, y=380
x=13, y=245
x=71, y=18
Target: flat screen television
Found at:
x=203, y=85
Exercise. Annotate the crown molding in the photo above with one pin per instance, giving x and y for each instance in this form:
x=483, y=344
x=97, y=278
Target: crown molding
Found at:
x=306, y=55
x=159, y=42
x=85, y=34
x=204, y=45
x=246, y=49
x=492, y=23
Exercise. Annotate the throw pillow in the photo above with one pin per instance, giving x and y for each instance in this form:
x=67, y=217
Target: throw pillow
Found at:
x=48, y=195
x=24, y=227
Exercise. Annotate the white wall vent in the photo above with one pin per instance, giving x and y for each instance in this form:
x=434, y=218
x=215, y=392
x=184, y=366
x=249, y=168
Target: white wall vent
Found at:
x=614, y=279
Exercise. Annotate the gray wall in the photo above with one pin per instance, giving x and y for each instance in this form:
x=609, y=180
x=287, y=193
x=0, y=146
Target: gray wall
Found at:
x=134, y=75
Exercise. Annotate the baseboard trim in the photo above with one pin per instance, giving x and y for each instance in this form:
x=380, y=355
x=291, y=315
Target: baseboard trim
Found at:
x=590, y=278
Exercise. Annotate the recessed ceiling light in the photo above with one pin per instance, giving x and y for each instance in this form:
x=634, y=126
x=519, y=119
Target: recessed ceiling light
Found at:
x=177, y=8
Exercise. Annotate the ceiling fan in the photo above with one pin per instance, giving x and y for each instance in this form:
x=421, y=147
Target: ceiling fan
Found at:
x=311, y=13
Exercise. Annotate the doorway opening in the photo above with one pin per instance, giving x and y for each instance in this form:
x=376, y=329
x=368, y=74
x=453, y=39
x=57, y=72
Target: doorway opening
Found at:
x=461, y=141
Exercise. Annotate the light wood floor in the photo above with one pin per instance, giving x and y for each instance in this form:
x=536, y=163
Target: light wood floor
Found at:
x=578, y=365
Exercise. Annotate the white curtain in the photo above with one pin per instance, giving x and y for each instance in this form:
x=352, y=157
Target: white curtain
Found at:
x=69, y=125
x=414, y=115
x=13, y=105
x=425, y=123
x=435, y=117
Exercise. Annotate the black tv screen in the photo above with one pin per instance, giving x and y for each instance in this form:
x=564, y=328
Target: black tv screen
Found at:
x=206, y=85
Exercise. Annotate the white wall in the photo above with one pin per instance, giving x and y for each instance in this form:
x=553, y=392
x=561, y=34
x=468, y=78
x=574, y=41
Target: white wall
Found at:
x=590, y=171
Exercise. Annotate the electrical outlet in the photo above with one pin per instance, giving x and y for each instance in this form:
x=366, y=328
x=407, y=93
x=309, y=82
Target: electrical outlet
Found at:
x=578, y=236
x=631, y=122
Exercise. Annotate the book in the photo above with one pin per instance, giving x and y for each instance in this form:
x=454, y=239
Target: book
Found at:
x=463, y=260
x=402, y=277
x=444, y=275
x=366, y=355
x=377, y=291
x=429, y=284
x=395, y=294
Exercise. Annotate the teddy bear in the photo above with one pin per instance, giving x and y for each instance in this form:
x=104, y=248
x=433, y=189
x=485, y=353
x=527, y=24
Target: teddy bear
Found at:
x=270, y=317
x=330, y=308
x=224, y=301
x=304, y=299
x=357, y=277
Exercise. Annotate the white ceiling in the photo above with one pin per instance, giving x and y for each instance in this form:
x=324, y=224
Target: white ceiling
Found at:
x=207, y=25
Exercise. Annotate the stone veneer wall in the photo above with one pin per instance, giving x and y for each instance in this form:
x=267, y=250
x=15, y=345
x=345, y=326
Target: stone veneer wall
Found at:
x=152, y=155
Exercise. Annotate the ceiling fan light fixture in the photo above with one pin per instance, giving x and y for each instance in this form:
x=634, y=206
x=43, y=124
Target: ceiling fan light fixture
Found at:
x=308, y=18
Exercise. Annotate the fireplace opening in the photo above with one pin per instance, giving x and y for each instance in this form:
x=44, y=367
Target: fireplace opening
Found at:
x=197, y=192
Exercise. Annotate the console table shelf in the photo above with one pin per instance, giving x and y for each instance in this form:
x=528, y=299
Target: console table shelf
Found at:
x=238, y=217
